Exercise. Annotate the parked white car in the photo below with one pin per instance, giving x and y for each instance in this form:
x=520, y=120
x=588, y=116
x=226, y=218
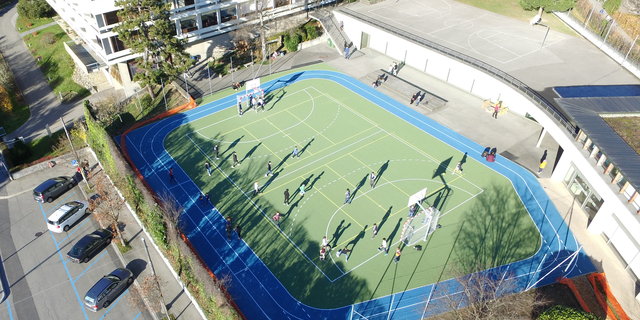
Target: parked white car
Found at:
x=69, y=213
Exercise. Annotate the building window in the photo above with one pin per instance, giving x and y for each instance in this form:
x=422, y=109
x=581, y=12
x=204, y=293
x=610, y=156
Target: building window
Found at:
x=209, y=19
x=228, y=14
x=613, y=172
x=188, y=25
x=117, y=44
x=584, y=195
x=281, y=3
x=591, y=147
x=133, y=68
x=112, y=17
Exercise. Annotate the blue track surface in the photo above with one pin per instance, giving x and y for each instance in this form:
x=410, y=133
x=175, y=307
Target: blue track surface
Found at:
x=257, y=291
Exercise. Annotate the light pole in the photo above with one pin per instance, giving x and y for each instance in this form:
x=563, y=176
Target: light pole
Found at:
x=77, y=159
x=153, y=272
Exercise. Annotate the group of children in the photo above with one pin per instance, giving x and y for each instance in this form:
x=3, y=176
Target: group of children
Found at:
x=254, y=103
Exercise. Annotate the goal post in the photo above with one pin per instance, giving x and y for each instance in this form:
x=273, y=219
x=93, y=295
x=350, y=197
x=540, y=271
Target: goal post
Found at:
x=422, y=223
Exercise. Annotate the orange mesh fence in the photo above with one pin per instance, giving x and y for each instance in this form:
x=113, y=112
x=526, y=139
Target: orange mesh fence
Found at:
x=123, y=146
x=573, y=288
x=602, y=281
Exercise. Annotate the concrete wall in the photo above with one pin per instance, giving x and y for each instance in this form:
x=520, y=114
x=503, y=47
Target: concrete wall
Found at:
x=486, y=86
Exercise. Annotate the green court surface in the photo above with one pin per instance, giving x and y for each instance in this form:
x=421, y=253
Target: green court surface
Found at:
x=343, y=137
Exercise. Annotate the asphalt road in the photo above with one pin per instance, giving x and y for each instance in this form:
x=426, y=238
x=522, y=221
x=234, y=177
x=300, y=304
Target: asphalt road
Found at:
x=44, y=283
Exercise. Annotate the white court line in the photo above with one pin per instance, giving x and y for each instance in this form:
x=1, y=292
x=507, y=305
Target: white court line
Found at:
x=259, y=209
x=269, y=136
x=403, y=142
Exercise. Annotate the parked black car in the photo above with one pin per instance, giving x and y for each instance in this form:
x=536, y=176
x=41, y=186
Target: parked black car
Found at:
x=108, y=289
x=53, y=188
x=89, y=245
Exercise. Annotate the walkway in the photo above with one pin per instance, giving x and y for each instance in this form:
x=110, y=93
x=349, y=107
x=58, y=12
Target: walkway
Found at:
x=44, y=105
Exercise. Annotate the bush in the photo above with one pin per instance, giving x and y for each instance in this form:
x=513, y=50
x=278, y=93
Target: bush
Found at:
x=20, y=151
x=33, y=9
x=548, y=5
x=312, y=32
x=291, y=42
x=566, y=313
x=48, y=39
x=300, y=31
x=5, y=101
x=612, y=6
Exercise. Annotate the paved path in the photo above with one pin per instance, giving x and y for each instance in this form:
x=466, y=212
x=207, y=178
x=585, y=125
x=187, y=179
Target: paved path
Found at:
x=30, y=31
x=43, y=103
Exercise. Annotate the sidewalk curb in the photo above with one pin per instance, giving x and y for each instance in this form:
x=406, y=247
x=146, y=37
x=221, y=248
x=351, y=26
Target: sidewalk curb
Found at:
x=152, y=241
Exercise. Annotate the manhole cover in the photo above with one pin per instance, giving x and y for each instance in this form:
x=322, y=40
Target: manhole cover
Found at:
x=38, y=234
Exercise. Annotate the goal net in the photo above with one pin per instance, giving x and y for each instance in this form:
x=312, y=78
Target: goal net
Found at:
x=422, y=222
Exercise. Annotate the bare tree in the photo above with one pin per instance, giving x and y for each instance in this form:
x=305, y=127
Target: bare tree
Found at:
x=172, y=212
x=106, y=205
x=486, y=294
x=150, y=288
x=256, y=10
x=108, y=108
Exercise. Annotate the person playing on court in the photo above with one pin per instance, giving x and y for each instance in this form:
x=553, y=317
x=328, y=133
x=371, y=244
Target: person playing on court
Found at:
x=323, y=254
x=384, y=246
x=215, y=151
x=276, y=218
x=240, y=107
x=302, y=190
x=235, y=160
x=286, y=197
x=396, y=258
x=458, y=168
x=295, y=152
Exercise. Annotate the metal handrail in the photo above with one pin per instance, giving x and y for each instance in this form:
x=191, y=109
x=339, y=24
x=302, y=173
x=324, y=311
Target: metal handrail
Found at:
x=532, y=94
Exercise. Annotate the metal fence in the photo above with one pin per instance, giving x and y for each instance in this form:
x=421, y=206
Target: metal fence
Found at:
x=487, y=68
x=609, y=32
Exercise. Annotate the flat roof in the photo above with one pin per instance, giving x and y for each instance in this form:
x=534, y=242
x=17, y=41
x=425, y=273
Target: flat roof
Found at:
x=588, y=115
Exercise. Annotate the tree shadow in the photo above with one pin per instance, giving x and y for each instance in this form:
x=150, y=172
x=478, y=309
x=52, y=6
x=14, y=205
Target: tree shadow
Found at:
x=499, y=231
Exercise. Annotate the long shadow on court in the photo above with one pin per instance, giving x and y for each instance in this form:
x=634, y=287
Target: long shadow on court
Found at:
x=395, y=230
x=381, y=171
x=305, y=147
x=340, y=229
x=385, y=217
x=358, y=186
x=499, y=231
x=251, y=151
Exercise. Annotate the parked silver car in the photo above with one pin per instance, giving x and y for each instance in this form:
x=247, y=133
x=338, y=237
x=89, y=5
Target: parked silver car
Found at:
x=107, y=289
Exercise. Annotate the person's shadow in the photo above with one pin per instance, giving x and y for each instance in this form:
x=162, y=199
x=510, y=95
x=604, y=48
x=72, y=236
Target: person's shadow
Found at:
x=381, y=171
x=248, y=154
x=233, y=144
x=360, y=184
x=464, y=158
x=338, y=233
x=305, y=147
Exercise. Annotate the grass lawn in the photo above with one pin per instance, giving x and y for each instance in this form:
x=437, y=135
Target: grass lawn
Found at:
x=145, y=108
x=511, y=8
x=628, y=129
x=55, y=62
x=21, y=23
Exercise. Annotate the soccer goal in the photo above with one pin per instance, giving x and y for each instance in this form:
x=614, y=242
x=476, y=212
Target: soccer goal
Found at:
x=423, y=221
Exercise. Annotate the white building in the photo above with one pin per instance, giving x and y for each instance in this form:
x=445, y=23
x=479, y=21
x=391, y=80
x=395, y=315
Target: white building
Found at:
x=196, y=21
x=599, y=168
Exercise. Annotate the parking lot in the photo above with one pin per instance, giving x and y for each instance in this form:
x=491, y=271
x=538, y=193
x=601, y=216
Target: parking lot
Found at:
x=44, y=283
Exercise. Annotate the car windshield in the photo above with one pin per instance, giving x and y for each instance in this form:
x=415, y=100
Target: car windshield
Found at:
x=54, y=223
x=76, y=250
x=113, y=278
x=89, y=300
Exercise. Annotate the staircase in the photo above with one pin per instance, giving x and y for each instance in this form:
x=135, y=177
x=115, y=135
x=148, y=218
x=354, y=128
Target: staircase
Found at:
x=332, y=26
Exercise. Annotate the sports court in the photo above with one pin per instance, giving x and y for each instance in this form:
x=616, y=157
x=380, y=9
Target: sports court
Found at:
x=493, y=214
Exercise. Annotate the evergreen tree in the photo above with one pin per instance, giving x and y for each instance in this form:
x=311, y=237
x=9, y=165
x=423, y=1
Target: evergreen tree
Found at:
x=146, y=30
x=33, y=9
